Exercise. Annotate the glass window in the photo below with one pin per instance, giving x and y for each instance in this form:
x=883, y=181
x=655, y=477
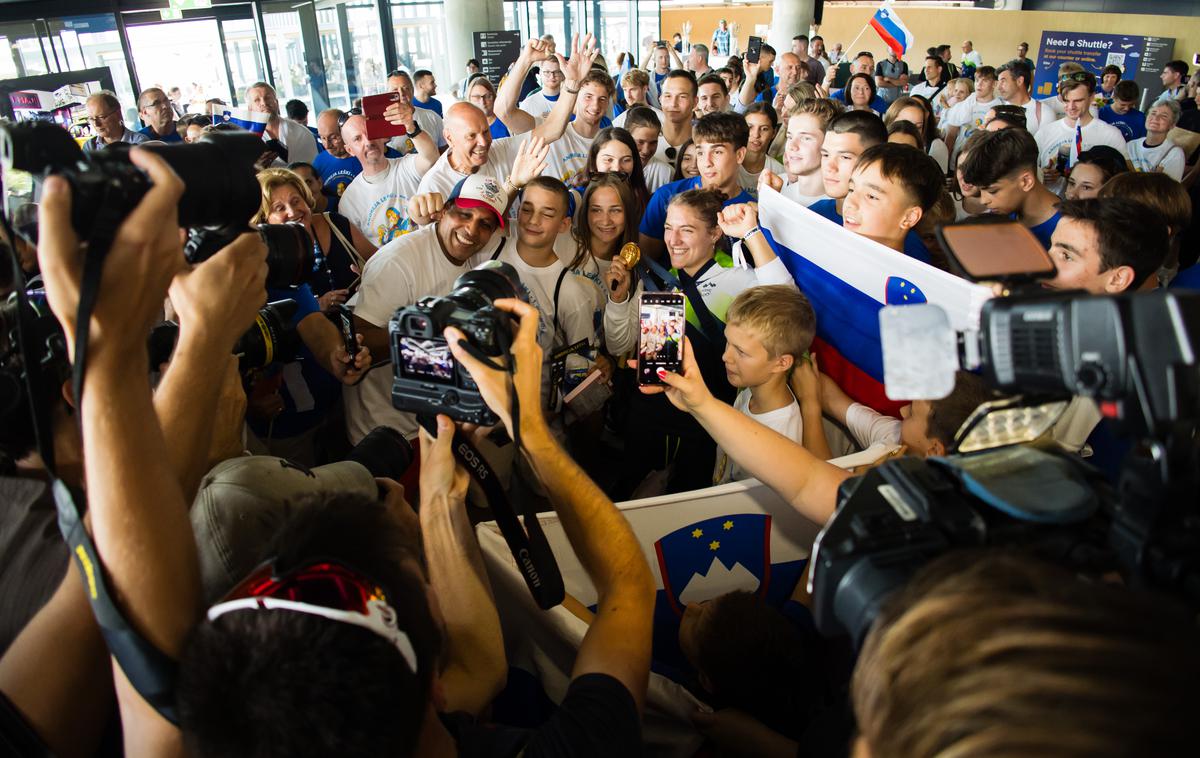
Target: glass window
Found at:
x=554, y=23
x=180, y=54
x=616, y=32
x=285, y=50
x=27, y=57
x=93, y=42
x=367, y=73
x=647, y=22
x=244, y=57
x=420, y=38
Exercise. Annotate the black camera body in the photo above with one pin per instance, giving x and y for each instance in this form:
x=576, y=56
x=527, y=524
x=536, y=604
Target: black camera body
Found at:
x=271, y=339
x=426, y=378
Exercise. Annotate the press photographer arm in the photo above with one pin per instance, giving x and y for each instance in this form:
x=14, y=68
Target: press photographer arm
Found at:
x=325, y=342
x=618, y=642
x=139, y=517
x=476, y=667
x=805, y=481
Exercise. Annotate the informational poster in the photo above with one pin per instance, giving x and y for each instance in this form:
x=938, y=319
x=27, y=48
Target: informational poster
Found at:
x=496, y=51
x=1140, y=58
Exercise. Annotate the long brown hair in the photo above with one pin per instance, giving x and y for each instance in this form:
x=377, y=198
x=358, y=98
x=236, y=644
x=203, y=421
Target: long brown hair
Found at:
x=637, y=177
x=582, y=229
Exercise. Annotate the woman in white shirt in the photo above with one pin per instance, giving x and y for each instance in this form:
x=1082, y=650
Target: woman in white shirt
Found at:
x=1156, y=151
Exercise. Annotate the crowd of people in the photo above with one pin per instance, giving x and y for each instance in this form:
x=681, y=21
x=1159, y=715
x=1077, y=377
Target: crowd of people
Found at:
x=314, y=609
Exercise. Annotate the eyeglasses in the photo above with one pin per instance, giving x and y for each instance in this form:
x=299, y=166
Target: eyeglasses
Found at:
x=160, y=103
x=554, y=74
x=98, y=119
x=342, y=119
x=320, y=588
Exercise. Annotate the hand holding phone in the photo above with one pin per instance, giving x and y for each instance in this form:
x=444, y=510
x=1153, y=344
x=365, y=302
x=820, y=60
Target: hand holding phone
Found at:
x=349, y=334
x=378, y=127
x=754, y=49
x=660, y=335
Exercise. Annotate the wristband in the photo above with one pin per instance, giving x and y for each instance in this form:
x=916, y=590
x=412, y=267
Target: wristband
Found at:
x=567, y=87
x=416, y=130
x=751, y=233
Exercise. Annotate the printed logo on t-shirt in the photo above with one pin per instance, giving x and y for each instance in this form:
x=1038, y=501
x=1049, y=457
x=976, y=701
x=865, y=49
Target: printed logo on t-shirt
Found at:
x=395, y=222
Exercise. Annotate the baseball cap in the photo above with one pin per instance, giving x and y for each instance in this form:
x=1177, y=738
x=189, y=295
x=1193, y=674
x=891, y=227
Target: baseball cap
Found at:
x=479, y=191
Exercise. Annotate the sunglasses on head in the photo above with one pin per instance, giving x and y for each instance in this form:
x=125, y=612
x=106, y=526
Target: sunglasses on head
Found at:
x=1079, y=77
x=322, y=588
x=342, y=119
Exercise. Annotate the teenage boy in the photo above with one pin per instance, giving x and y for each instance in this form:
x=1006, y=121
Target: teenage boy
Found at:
x=677, y=99
x=1003, y=165
x=768, y=331
x=964, y=118
x=635, y=84
x=1014, y=82
x=720, y=148
x=1107, y=245
x=644, y=126
x=893, y=186
x=802, y=151
x=848, y=136
x=565, y=304
x=1060, y=142
x=1123, y=112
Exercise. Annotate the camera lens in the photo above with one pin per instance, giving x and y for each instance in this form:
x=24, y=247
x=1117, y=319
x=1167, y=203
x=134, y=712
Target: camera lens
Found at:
x=218, y=177
x=289, y=254
x=487, y=283
x=270, y=339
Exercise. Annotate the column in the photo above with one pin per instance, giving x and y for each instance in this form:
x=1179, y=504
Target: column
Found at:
x=463, y=17
x=789, y=18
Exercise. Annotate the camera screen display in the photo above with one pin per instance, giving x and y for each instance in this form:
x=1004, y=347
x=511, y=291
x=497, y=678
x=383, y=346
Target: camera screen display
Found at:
x=660, y=335
x=427, y=359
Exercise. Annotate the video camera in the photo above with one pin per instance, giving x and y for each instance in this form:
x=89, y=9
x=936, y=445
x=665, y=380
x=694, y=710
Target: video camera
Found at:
x=427, y=379
x=1135, y=355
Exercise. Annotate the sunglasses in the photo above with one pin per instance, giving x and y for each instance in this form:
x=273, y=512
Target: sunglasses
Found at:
x=1079, y=77
x=342, y=119
x=320, y=588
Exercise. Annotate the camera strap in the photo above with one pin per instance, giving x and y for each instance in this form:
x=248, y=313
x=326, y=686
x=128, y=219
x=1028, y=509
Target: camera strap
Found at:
x=151, y=672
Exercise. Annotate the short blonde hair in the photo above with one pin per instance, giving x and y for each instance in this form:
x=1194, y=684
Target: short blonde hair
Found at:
x=635, y=77
x=780, y=316
x=272, y=179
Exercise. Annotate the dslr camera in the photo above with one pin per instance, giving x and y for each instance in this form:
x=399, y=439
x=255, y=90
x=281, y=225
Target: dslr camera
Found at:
x=427, y=379
x=1134, y=355
x=271, y=338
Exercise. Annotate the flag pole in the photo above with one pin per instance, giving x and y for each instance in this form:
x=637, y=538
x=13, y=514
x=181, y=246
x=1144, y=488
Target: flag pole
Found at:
x=850, y=47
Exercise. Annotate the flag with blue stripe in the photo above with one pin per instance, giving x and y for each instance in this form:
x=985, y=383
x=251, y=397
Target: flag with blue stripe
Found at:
x=251, y=121
x=886, y=22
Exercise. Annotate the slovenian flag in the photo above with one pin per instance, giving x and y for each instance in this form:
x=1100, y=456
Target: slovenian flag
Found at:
x=848, y=279
x=893, y=31
x=251, y=121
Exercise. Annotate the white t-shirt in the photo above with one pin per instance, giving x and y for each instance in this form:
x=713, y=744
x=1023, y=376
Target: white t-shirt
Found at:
x=870, y=427
x=1167, y=157
x=1057, y=133
x=442, y=177
x=749, y=181
x=968, y=115
x=378, y=205
x=300, y=143
x=787, y=421
x=792, y=192
x=400, y=273
x=663, y=146
x=430, y=123
x=926, y=90
x=1038, y=113
x=538, y=105
x=567, y=160
x=974, y=58
x=940, y=153
x=620, y=120
x=657, y=173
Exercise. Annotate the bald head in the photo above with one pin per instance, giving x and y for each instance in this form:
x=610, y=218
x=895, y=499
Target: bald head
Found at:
x=790, y=69
x=330, y=132
x=468, y=135
x=370, y=152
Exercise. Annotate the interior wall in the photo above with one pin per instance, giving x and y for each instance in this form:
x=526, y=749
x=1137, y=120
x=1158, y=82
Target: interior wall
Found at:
x=995, y=34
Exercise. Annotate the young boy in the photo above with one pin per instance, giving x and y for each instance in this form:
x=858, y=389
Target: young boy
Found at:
x=644, y=125
x=926, y=427
x=1123, y=112
x=965, y=117
x=721, y=140
x=768, y=331
x=806, y=128
x=891, y=188
x=847, y=137
x=1004, y=166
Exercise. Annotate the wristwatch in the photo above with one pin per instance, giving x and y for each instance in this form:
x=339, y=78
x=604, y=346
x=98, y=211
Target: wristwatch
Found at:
x=416, y=130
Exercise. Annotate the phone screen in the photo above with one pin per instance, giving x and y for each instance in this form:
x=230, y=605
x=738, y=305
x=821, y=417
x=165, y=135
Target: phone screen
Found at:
x=349, y=336
x=660, y=335
x=754, y=49
x=998, y=250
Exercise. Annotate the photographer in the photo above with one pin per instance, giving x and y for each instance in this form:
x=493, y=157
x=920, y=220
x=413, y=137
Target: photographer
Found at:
x=136, y=495
x=419, y=691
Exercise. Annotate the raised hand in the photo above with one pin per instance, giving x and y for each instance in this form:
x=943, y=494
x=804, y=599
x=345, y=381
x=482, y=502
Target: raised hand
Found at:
x=537, y=50
x=583, y=55
x=771, y=179
x=738, y=220
x=619, y=281
x=403, y=113
x=425, y=208
x=530, y=161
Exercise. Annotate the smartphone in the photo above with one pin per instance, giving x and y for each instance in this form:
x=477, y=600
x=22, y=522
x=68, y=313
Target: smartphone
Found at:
x=660, y=335
x=1063, y=163
x=754, y=49
x=996, y=251
x=349, y=335
x=378, y=127
x=661, y=43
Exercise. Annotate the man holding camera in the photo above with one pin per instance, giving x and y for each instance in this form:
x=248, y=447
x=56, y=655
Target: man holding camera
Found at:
x=463, y=234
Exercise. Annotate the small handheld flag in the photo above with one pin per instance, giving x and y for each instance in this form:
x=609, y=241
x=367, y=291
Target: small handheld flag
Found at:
x=886, y=22
x=251, y=121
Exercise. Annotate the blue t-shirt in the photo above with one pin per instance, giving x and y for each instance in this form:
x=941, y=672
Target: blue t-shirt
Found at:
x=1131, y=124
x=878, y=104
x=336, y=175
x=1045, y=230
x=499, y=130
x=1188, y=279
x=655, y=216
x=913, y=246
x=434, y=105
x=174, y=136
